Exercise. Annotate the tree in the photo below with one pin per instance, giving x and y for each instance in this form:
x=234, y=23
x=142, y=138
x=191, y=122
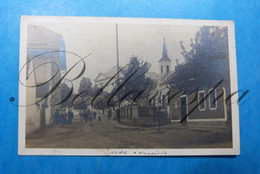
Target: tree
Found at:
x=84, y=94
x=100, y=102
x=65, y=90
x=85, y=85
x=207, y=62
x=136, y=81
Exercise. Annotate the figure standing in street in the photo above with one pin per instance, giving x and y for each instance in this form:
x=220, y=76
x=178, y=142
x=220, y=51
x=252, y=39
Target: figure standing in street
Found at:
x=85, y=115
x=62, y=116
x=81, y=116
x=89, y=115
x=57, y=116
x=70, y=116
x=65, y=116
x=99, y=116
x=94, y=115
x=118, y=114
x=109, y=113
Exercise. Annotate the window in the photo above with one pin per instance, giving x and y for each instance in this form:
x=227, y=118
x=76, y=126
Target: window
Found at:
x=202, y=101
x=161, y=68
x=167, y=68
x=212, y=99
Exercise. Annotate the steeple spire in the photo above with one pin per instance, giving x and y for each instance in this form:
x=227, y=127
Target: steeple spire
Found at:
x=164, y=63
x=164, y=53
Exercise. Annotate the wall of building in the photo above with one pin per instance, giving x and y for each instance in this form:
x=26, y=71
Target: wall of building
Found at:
x=164, y=64
x=33, y=111
x=195, y=113
x=35, y=119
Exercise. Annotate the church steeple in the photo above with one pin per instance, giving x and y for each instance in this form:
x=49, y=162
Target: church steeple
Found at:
x=164, y=53
x=165, y=62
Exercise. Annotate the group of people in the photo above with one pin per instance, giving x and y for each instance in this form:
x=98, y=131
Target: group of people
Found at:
x=87, y=115
x=66, y=116
x=63, y=116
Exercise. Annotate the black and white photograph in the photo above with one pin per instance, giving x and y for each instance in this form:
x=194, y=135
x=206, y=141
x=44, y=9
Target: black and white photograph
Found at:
x=128, y=87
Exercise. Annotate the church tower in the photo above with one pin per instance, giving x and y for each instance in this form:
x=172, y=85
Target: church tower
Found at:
x=165, y=62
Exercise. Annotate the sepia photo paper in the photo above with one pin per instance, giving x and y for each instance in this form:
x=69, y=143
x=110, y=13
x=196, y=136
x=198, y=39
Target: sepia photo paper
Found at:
x=95, y=86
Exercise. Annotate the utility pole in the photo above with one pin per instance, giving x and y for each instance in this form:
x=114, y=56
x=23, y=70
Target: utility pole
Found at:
x=117, y=61
x=117, y=54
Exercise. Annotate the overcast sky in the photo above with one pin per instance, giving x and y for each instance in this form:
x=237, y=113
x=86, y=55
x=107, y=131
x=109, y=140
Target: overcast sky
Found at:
x=142, y=40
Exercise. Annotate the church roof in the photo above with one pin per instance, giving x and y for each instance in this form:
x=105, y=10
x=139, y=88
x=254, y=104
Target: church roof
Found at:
x=164, y=54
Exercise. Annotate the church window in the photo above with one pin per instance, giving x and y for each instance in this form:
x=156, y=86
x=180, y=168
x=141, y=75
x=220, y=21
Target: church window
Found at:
x=167, y=68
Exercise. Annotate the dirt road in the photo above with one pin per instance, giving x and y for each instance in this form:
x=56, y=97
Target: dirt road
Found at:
x=110, y=134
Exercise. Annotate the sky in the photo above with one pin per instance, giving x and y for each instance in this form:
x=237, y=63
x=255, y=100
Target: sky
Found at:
x=142, y=40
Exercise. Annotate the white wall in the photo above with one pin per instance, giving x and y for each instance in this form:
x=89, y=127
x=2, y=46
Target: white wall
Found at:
x=164, y=64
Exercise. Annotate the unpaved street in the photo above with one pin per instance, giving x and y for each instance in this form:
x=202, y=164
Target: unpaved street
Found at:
x=111, y=134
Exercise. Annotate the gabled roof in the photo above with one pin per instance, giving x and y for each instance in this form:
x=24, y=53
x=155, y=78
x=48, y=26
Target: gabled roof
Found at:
x=42, y=38
x=107, y=75
x=100, y=77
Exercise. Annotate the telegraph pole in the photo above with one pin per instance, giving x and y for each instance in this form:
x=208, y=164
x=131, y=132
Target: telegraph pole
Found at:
x=117, y=61
x=117, y=54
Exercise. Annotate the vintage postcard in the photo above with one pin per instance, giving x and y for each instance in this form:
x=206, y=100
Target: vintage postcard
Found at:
x=127, y=87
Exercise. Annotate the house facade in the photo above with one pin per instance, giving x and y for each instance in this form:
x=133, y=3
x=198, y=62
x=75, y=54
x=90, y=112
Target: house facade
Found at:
x=205, y=105
x=103, y=77
x=46, y=60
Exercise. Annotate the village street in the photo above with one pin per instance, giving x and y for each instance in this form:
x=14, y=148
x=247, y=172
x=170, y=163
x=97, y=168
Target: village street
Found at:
x=111, y=134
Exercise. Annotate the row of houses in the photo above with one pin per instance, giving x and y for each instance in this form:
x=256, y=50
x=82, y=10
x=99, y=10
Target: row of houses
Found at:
x=205, y=105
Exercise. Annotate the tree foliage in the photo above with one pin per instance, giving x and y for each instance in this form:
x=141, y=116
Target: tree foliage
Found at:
x=85, y=85
x=136, y=80
x=65, y=90
x=206, y=62
x=84, y=94
x=100, y=102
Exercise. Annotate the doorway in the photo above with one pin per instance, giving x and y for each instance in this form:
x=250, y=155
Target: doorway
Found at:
x=183, y=108
x=42, y=118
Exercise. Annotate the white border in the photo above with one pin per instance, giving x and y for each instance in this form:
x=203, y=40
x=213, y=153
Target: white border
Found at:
x=25, y=20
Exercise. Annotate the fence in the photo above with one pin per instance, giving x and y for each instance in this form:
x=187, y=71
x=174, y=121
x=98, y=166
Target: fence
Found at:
x=134, y=111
